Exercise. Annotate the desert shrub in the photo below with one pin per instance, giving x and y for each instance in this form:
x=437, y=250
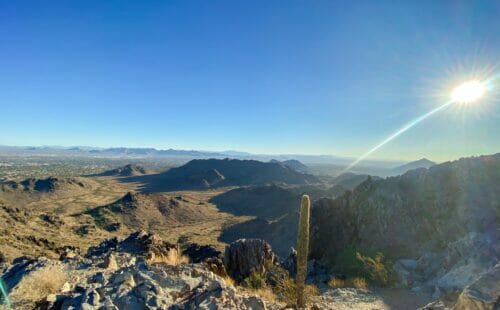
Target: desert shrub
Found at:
x=358, y=283
x=337, y=283
x=228, y=280
x=375, y=268
x=172, y=259
x=255, y=280
x=366, y=264
x=286, y=291
x=40, y=283
x=266, y=293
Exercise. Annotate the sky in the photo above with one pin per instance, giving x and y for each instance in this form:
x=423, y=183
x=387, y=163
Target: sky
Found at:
x=308, y=77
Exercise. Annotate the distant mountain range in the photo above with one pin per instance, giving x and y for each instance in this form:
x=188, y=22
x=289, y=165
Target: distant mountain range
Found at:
x=191, y=154
x=298, y=162
x=421, y=163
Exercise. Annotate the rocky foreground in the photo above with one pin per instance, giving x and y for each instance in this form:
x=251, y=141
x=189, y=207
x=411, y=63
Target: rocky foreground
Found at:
x=145, y=272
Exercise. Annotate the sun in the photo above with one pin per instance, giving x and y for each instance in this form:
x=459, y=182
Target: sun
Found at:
x=468, y=92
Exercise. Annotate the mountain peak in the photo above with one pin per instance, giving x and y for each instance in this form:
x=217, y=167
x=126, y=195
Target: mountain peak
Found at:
x=421, y=163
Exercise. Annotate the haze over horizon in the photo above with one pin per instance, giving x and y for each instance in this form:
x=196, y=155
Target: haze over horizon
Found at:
x=309, y=78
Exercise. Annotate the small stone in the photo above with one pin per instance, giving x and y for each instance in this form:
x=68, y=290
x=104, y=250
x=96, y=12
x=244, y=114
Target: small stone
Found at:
x=97, y=278
x=66, y=288
x=110, y=262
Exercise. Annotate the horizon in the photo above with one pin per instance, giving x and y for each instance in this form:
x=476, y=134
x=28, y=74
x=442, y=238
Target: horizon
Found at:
x=366, y=162
x=322, y=78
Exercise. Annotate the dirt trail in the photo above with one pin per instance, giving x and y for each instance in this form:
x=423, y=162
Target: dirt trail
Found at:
x=380, y=299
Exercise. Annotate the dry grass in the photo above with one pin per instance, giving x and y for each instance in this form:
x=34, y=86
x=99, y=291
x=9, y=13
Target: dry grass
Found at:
x=40, y=283
x=357, y=282
x=337, y=283
x=228, y=280
x=267, y=294
x=172, y=258
x=286, y=292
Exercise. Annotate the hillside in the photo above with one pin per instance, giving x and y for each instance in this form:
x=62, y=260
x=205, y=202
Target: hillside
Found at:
x=444, y=220
x=276, y=211
x=293, y=164
x=125, y=171
x=421, y=163
x=439, y=227
x=213, y=173
x=350, y=180
x=48, y=185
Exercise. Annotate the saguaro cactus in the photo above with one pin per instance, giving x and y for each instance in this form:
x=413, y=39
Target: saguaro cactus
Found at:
x=302, y=249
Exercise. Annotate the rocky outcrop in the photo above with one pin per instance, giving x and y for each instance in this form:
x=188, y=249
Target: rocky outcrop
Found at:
x=147, y=245
x=420, y=211
x=119, y=274
x=200, y=253
x=447, y=273
x=482, y=294
x=245, y=256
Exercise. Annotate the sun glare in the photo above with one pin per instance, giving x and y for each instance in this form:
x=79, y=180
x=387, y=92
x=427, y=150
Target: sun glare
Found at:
x=468, y=92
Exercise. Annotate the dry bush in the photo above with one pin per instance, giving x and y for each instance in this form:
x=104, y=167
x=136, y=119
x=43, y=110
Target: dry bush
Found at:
x=40, y=283
x=337, y=283
x=228, y=280
x=286, y=291
x=267, y=294
x=359, y=283
x=172, y=258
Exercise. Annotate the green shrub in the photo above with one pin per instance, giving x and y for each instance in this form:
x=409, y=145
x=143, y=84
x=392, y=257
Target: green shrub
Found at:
x=254, y=281
x=367, y=264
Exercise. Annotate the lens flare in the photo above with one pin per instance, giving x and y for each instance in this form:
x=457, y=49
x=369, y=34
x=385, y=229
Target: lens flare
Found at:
x=465, y=93
x=397, y=134
x=468, y=92
x=5, y=294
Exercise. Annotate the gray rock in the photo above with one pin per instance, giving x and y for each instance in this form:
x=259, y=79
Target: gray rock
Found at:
x=92, y=298
x=255, y=303
x=483, y=294
x=245, y=256
x=435, y=305
x=110, y=262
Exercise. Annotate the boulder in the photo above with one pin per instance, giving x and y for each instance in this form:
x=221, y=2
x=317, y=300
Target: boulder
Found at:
x=483, y=294
x=153, y=248
x=199, y=253
x=245, y=256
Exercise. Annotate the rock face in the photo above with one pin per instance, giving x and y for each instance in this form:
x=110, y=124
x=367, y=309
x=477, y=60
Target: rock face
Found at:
x=483, y=294
x=418, y=212
x=245, y=256
x=118, y=274
x=200, y=253
x=457, y=270
x=441, y=224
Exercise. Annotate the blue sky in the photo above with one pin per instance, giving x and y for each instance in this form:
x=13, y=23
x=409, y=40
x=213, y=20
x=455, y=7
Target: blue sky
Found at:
x=310, y=77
